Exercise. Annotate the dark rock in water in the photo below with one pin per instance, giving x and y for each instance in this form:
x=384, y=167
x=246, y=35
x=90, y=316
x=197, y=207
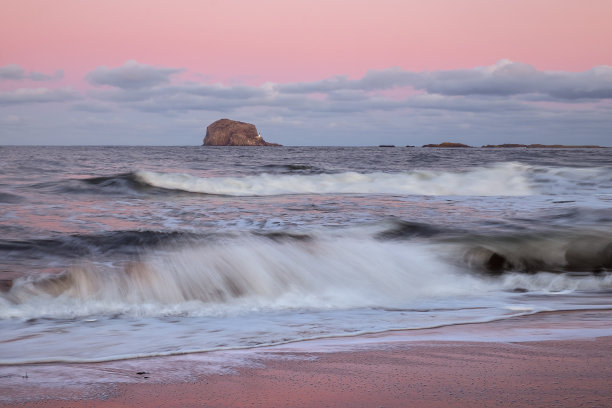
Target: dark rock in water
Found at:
x=386, y=145
x=447, y=144
x=226, y=132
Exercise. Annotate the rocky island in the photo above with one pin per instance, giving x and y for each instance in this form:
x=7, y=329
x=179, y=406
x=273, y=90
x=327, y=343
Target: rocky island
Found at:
x=516, y=145
x=226, y=132
x=543, y=146
x=447, y=144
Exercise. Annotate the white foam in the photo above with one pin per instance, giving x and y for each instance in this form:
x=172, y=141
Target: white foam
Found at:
x=556, y=282
x=506, y=179
x=250, y=291
x=249, y=273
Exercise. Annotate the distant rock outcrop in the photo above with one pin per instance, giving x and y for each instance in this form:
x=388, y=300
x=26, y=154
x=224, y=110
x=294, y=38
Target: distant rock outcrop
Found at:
x=226, y=132
x=543, y=146
x=516, y=145
x=447, y=144
x=556, y=146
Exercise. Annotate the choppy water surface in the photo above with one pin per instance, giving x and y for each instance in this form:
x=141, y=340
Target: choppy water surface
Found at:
x=119, y=252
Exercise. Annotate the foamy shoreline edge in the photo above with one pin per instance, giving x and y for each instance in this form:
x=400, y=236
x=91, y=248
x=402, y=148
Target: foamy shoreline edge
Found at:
x=577, y=343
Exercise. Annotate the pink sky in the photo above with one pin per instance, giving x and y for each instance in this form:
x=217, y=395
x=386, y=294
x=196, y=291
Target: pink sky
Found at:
x=315, y=72
x=280, y=41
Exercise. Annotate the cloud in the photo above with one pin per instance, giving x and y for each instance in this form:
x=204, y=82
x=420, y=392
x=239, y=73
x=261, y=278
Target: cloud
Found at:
x=218, y=98
x=506, y=99
x=595, y=83
x=37, y=95
x=241, y=92
x=92, y=107
x=505, y=78
x=506, y=84
x=15, y=72
x=504, y=102
x=10, y=120
x=132, y=76
x=373, y=80
x=37, y=76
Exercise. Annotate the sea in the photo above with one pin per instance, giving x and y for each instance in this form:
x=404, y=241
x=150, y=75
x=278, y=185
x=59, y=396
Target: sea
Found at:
x=121, y=253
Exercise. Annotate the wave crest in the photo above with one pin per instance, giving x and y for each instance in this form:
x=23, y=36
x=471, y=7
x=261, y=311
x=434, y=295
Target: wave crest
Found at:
x=246, y=273
x=507, y=179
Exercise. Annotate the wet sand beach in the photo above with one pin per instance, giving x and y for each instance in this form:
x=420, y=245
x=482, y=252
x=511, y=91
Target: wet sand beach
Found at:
x=572, y=369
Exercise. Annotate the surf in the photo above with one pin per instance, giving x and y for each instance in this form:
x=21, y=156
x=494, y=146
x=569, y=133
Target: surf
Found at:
x=483, y=181
x=235, y=274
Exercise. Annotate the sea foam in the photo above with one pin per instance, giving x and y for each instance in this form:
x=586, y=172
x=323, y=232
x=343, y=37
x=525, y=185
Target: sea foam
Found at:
x=248, y=273
x=506, y=179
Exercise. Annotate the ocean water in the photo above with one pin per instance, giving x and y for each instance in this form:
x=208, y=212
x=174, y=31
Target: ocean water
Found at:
x=114, y=253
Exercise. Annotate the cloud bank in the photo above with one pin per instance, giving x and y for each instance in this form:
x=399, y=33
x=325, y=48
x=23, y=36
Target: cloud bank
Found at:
x=37, y=95
x=14, y=72
x=131, y=75
x=147, y=88
x=506, y=78
x=504, y=102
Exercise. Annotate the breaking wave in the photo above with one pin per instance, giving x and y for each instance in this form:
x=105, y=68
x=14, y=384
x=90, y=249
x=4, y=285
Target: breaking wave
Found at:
x=249, y=273
x=500, y=179
x=507, y=179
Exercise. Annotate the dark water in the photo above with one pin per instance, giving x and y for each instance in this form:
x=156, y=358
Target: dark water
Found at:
x=118, y=252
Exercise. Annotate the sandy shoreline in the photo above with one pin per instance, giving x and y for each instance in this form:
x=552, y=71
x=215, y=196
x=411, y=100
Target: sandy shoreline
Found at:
x=398, y=369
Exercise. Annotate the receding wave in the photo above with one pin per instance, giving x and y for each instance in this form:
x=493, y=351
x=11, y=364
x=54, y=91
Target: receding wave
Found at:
x=507, y=179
